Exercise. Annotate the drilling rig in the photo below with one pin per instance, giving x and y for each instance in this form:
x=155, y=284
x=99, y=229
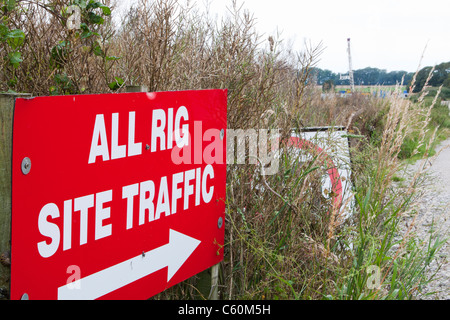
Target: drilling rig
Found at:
x=350, y=71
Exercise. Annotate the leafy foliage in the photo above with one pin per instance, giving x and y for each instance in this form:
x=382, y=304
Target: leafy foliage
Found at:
x=66, y=51
x=440, y=75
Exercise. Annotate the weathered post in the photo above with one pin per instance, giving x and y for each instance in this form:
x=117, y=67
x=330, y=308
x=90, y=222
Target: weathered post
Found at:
x=215, y=282
x=6, y=116
x=136, y=89
x=6, y=126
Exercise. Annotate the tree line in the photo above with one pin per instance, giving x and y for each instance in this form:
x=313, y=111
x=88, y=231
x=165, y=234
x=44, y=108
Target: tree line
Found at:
x=440, y=75
x=367, y=76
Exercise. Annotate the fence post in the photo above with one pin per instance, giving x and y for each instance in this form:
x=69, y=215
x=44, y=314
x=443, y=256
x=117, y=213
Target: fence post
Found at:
x=6, y=126
x=136, y=89
x=215, y=282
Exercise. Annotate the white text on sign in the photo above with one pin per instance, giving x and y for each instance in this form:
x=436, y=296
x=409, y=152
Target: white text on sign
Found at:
x=165, y=129
x=152, y=204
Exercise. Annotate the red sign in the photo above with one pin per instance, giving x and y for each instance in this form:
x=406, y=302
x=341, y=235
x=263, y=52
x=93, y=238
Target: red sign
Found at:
x=116, y=196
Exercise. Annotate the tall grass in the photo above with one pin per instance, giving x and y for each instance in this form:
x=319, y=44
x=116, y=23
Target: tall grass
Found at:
x=400, y=257
x=282, y=240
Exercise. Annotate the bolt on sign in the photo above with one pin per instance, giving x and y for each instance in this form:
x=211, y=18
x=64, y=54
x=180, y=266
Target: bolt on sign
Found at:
x=116, y=196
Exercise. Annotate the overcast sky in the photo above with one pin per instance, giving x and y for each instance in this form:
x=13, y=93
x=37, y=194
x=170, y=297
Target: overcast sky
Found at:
x=385, y=34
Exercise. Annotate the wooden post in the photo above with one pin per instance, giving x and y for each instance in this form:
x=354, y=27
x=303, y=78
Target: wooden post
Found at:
x=136, y=89
x=6, y=123
x=215, y=282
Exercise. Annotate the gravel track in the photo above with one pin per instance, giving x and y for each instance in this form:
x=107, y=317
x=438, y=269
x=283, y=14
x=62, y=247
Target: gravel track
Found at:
x=433, y=214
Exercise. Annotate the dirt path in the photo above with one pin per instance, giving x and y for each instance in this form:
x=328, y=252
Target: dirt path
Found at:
x=434, y=215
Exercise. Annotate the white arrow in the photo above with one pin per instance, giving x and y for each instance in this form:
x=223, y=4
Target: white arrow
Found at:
x=172, y=255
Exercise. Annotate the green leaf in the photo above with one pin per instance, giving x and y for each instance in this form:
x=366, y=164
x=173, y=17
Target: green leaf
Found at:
x=394, y=274
x=10, y=4
x=96, y=4
x=112, y=58
x=3, y=31
x=93, y=4
x=88, y=34
x=15, y=38
x=54, y=91
x=106, y=10
x=59, y=54
x=113, y=86
x=12, y=82
x=116, y=84
x=357, y=136
x=94, y=18
x=97, y=50
x=81, y=3
x=15, y=59
x=84, y=27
